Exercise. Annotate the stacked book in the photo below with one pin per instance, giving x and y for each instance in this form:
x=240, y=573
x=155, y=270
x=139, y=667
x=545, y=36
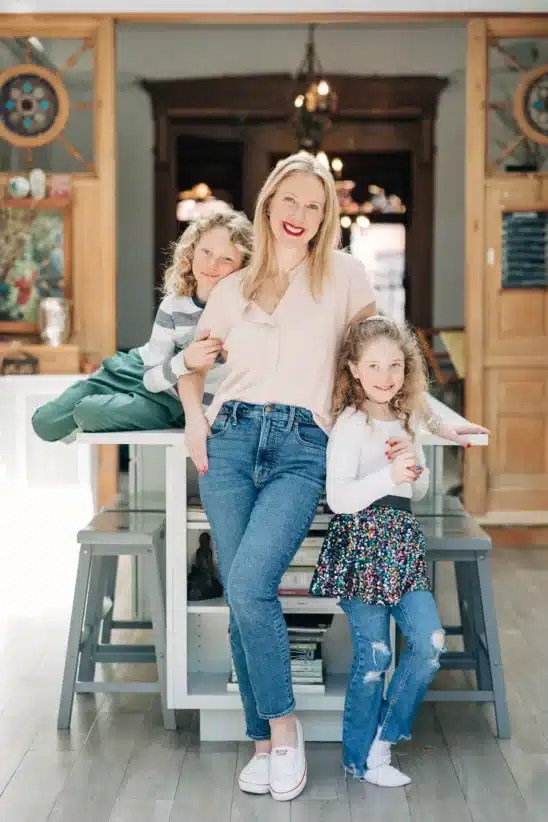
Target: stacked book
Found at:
x=306, y=633
x=296, y=580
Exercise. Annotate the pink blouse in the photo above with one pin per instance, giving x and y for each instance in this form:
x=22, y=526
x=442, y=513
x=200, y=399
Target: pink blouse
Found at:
x=289, y=356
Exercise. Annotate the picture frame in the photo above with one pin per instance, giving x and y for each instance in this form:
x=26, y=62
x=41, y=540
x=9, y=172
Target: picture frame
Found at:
x=35, y=259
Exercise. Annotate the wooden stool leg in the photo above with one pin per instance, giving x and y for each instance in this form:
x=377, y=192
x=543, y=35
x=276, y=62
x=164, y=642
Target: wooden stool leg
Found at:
x=158, y=615
x=493, y=647
x=74, y=639
x=92, y=618
x=465, y=598
x=111, y=566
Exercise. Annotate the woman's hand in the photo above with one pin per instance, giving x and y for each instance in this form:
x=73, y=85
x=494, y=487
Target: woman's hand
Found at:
x=202, y=352
x=404, y=468
x=196, y=433
x=459, y=433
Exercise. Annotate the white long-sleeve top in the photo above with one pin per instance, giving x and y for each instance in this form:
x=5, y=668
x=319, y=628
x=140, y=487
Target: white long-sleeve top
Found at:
x=358, y=470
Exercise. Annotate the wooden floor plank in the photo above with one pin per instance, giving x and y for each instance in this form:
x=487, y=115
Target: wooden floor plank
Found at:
x=247, y=807
x=325, y=797
x=206, y=784
x=150, y=781
x=34, y=787
x=435, y=792
x=491, y=791
x=93, y=783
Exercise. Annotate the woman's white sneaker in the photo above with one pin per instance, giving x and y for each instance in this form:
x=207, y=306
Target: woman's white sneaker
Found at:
x=255, y=777
x=288, y=769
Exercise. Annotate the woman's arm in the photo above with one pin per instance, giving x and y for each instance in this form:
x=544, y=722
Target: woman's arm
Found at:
x=453, y=433
x=191, y=392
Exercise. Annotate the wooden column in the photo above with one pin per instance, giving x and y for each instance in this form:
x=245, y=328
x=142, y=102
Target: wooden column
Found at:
x=475, y=485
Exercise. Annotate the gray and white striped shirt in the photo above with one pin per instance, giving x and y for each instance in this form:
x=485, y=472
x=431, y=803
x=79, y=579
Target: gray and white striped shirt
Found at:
x=163, y=355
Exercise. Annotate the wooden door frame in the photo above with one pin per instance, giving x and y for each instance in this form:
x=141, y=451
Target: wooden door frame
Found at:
x=402, y=105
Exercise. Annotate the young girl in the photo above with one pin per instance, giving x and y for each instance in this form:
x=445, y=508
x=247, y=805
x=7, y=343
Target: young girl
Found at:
x=373, y=557
x=138, y=390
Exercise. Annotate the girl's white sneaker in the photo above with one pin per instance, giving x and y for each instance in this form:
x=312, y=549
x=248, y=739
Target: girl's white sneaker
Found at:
x=288, y=769
x=255, y=777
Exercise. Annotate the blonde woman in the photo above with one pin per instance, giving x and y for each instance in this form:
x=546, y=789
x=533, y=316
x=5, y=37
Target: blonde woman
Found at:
x=138, y=390
x=260, y=449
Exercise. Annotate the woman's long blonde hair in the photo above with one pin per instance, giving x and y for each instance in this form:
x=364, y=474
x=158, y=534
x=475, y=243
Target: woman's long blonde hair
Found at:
x=348, y=391
x=263, y=261
x=178, y=277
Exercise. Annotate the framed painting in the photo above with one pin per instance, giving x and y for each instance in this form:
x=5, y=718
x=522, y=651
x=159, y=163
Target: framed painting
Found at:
x=35, y=259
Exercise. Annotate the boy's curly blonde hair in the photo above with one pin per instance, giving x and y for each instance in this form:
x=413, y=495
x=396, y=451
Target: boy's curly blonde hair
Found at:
x=178, y=277
x=348, y=390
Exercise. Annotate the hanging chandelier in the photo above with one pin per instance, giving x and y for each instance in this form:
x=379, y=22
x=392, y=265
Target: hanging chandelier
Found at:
x=314, y=100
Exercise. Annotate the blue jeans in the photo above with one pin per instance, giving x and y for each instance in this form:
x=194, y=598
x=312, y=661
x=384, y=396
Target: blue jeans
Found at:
x=365, y=709
x=266, y=474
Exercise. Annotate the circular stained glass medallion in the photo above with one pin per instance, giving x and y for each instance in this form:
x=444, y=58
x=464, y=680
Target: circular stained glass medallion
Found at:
x=531, y=105
x=34, y=105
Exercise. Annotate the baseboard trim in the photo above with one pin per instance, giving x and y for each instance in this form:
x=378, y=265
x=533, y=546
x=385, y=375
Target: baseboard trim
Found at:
x=513, y=518
x=517, y=536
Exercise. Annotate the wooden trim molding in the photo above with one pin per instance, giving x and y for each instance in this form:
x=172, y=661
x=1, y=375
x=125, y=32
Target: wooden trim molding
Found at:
x=269, y=96
x=475, y=477
x=402, y=108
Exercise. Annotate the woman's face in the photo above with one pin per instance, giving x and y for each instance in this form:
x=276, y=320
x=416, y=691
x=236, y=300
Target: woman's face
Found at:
x=297, y=209
x=215, y=257
x=381, y=370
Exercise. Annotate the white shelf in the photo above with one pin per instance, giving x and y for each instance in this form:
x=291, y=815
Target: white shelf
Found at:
x=209, y=691
x=197, y=520
x=291, y=605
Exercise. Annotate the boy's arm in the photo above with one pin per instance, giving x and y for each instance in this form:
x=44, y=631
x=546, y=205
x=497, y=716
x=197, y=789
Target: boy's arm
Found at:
x=163, y=363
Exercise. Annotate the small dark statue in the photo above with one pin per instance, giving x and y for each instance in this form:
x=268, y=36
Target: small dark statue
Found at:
x=202, y=579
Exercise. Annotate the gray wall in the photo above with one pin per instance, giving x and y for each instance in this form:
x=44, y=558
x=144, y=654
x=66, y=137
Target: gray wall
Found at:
x=206, y=51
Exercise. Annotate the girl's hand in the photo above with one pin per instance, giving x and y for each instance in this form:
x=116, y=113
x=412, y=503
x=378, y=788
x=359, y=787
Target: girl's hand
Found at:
x=459, y=433
x=404, y=468
x=196, y=433
x=398, y=445
x=202, y=352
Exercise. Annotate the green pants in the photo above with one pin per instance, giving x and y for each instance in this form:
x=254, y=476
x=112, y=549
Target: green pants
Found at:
x=113, y=398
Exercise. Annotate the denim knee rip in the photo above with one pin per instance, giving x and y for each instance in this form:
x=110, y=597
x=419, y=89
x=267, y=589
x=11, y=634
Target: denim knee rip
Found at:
x=379, y=648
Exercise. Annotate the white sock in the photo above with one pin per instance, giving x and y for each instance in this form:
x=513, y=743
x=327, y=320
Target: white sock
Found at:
x=379, y=752
x=379, y=770
x=386, y=776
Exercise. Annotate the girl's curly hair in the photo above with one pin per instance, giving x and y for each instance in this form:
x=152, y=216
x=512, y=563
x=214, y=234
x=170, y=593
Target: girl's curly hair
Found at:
x=178, y=277
x=348, y=390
